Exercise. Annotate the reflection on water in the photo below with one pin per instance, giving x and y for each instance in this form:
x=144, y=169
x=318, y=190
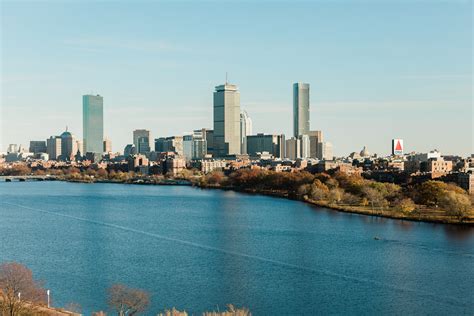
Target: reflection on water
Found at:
x=458, y=232
x=199, y=249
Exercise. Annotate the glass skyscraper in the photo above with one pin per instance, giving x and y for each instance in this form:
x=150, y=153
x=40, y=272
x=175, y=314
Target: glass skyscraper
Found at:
x=93, y=123
x=300, y=109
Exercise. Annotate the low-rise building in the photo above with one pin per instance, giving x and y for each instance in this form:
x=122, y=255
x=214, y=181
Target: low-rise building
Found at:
x=466, y=181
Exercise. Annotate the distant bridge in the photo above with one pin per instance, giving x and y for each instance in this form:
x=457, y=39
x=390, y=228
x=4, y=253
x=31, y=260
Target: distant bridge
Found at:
x=26, y=178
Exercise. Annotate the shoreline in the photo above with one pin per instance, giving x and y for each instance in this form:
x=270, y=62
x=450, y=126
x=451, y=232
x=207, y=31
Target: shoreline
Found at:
x=351, y=209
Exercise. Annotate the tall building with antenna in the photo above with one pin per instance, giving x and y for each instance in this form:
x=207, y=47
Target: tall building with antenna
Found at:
x=227, y=135
x=93, y=123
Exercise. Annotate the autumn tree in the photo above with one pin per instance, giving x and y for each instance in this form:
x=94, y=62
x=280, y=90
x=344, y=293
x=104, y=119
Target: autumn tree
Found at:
x=19, y=292
x=405, y=205
x=127, y=301
x=102, y=173
x=318, y=191
x=374, y=197
x=231, y=311
x=456, y=204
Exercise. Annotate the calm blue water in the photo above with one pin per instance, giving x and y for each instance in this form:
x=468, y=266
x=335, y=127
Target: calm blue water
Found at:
x=199, y=249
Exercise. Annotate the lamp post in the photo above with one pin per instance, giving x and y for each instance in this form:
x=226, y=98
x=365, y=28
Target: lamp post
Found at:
x=47, y=292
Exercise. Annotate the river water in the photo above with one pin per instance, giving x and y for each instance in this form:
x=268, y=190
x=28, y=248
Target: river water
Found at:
x=202, y=249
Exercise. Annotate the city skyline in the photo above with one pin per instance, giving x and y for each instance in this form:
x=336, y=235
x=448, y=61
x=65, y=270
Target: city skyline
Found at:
x=413, y=77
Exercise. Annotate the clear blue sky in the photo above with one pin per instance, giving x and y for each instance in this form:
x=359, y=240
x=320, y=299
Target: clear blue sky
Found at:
x=377, y=69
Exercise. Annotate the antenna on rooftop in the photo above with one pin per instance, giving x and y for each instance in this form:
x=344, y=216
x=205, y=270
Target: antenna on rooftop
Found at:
x=226, y=77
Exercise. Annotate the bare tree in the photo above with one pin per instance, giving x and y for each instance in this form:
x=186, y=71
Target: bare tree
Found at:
x=127, y=301
x=19, y=292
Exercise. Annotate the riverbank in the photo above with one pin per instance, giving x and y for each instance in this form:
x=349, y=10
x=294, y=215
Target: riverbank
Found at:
x=419, y=213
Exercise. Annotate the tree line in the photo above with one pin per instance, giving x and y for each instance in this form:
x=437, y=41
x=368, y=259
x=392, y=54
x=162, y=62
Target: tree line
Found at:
x=340, y=188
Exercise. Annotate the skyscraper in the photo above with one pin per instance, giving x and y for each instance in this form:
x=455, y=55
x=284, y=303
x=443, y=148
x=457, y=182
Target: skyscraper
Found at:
x=305, y=146
x=293, y=148
x=245, y=130
x=93, y=123
x=315, y=137
x=68, y=144
x=144, y=135
x=227, y=139
x=53, y=146
x=300, y=109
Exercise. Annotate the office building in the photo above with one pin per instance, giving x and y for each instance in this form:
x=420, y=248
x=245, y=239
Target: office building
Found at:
x=53, y=147
x=195, y=145
x=12, y=148
x=315, y=137
x=210, y=141
x=93, y=123
x=305, y=146
x=227, y=140
x=37, y=146
x=160, y=144
x=245, y=130
x=293, y=148
x=145, y=135
x=300, y=109
x=68, y=146
x=273, y=144
x=170, y=144
x=325, y=151
x=107, y=145
x=143, y=145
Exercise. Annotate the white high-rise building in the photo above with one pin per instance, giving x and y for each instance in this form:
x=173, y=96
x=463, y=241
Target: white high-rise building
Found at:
x=325, y=151
x=227, y=139
x=305, y=146
x=300, y=109
x=245, y=130
x=12, y=148
x=293, y=148
x=93, y=123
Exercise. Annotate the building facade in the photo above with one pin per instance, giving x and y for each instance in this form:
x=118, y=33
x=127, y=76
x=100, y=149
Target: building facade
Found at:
x=300, y=109
x=315, y=137
x=53, y=147
x=227, y=138
x=245, y=130
x=305, y=146
x=37, y=146
x=68, y=146
x=273, y=144
x=107, y=145
x=93, y=123
x=293, y=148
x=145, y=136
x=325, y=151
